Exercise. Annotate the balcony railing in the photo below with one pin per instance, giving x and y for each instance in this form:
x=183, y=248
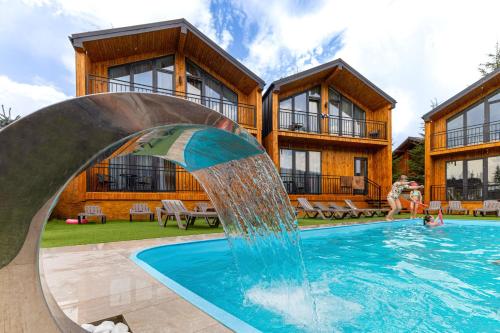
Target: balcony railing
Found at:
x=308, y=183
x=134, y=178
x=333, y=125
x=466, y=136
x=241, y=113
x=479, y=192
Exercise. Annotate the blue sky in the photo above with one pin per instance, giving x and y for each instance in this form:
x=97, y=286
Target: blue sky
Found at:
x=415, y=51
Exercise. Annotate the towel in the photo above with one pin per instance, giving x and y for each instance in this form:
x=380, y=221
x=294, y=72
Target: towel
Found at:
x=358, y=183
x=345, y=181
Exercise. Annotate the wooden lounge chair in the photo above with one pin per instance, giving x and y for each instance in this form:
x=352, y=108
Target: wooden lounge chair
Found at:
x=203, y=207
x=141, y=209
x=434, y=206
x=176, y=209
x=357, y=212
x=310, y=211
x=347, y=211
x=489, y=206
x=90, y=211
x=456, y=207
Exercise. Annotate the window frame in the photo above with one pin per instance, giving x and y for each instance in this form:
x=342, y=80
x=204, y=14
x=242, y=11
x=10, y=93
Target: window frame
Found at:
x=465, y=176
x=155, y=69
x=305, y=113
x=464, y=128
x=307, y=176
x=361, y=122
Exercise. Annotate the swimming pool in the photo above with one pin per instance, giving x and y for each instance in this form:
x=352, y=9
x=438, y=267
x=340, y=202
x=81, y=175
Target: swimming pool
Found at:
x=380, y=277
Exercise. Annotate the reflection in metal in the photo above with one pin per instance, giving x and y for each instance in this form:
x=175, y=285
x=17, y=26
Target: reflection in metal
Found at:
x=41, y=153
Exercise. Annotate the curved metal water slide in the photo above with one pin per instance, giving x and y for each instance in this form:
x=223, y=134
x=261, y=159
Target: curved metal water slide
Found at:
x=41, y=153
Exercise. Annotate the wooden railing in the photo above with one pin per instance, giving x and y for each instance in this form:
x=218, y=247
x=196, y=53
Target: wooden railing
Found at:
x=241, y=113
x=466, y=136
x=310, y=183
x=334, y=125
x=134, y=178
x=477, y=192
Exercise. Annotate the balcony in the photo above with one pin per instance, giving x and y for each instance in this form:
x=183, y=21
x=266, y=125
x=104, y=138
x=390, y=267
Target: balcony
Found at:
x=307, y=183
x=134, y=178
x=466, y=136
x=477, y=192
x=243, y=114
x=333, y=125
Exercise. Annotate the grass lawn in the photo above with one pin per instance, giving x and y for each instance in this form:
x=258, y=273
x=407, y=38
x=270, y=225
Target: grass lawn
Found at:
x=58, y=233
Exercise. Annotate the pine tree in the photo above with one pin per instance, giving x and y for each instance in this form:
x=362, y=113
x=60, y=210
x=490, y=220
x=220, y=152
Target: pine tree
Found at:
x=492, y=63
x=496, y=176
x=6, y=118
x=416, y=163
x=396, y=172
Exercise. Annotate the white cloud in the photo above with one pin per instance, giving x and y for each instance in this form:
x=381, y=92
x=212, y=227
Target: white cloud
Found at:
x=415, y=51
x=25, y=98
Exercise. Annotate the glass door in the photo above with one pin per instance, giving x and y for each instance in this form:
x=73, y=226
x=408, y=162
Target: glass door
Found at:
x=361, y=169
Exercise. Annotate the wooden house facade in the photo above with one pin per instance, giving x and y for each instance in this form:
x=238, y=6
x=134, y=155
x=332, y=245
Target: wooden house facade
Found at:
x=462, y=145
x=172, y=58
x=328, y=131
x=402, y=154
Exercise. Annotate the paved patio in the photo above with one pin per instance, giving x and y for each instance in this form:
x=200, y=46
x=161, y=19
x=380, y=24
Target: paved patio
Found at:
x=93, y=282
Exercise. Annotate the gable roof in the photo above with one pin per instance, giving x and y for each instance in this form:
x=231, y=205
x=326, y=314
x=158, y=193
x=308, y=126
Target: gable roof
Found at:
x=337, y=63
x=464, y=93
x=78, y=39
x=408, y=142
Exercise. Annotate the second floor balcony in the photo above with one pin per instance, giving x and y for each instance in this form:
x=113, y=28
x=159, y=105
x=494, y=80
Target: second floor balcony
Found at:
x=466, y=136
x=334, y=125
x=243, y=114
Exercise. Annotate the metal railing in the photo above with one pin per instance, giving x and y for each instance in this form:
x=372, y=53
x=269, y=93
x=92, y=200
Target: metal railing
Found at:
x=241, y=113
x=466, y=136
x=333, y=125
x=134, y=178
x=310, y=183
x=479, y=192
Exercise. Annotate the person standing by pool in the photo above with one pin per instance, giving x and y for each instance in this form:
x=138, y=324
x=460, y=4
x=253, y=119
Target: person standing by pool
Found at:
x=415, y=201
x=393, y=196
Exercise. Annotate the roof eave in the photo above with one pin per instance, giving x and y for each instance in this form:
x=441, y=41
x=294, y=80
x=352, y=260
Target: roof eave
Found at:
x=461, y=94
x=77, y=40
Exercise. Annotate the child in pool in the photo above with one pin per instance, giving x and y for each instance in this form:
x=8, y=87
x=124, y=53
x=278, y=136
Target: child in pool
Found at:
x=429, y=221
x=415, y=200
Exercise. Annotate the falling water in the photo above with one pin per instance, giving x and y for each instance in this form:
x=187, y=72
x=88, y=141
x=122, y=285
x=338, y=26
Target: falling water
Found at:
x=261, y=227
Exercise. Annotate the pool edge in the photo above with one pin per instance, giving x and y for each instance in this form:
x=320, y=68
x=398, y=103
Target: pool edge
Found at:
x=224, y=317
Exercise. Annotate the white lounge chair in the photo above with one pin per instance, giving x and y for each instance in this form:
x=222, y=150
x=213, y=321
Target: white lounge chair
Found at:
x=310, y=211
x=92, y=211
x=176, y=209
x=141, y=209
x=489, y=206
x=456, y=207
x=434, y=206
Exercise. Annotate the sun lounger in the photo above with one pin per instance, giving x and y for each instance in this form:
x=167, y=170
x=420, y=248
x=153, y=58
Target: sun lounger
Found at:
x=332, y=212
x=456, y=207
x=140, y=209
x=489, y=206
x=310, y=211
x=90, y=211
x=434, y=206
x=176, y=209
x=203, y=207
x=347, y=211
x=357, y=212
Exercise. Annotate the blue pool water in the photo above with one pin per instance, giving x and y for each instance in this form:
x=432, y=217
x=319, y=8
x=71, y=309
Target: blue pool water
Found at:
x=383, y=277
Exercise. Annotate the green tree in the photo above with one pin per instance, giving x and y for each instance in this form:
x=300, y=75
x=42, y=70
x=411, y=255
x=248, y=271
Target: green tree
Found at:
x=416, y=163
x=492, y=63
x=396, y=172
x=6, y=117
x=496, y=176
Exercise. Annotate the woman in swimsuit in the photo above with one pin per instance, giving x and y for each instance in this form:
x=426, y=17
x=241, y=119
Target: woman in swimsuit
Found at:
x=393, y=195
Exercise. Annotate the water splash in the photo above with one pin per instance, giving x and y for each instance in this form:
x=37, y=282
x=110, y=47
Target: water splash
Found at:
x=261, y=228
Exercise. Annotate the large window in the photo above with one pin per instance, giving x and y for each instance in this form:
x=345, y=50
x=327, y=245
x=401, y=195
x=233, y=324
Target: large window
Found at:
x=344, y=117
x=301, y=171
x=479, y=123
x=202, y=88
x=302, y=111
x=153, y=75
x=477, y=179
